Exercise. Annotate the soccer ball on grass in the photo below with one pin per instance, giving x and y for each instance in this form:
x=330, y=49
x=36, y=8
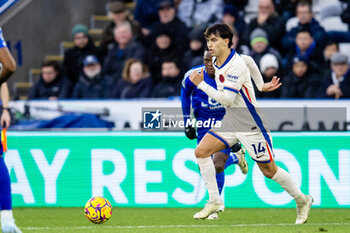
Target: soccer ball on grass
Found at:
x=98, y=210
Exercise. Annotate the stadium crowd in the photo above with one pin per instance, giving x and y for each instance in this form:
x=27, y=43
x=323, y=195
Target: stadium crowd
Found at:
x=145, y=54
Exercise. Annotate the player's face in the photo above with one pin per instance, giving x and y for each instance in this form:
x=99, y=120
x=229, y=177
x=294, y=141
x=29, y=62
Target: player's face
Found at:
x=216, y=45
x=208, y=63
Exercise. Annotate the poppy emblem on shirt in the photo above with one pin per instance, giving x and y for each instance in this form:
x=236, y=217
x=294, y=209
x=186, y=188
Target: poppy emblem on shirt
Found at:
x=221, y=78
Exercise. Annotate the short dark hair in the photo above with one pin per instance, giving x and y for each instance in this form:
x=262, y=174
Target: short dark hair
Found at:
x=221, y=30
x=171, y=60
x=304, y=30
x=304, y=3
x=53, y=64
x=329, y=43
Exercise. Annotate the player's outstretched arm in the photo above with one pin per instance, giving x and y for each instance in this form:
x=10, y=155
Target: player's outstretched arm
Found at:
x=8, y=64
x=256, y=75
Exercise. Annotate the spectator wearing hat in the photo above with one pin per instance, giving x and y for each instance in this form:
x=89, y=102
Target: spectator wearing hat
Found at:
x=194, y=56
x=306, y=46
x=306, y=21
x=336, y=83
x=169, y=21
x=92, y=84
x=170, y=84
x=118, y=13
x=232, y=19
x=163, y=48
x=260, y=45
x=124, y=47
x=267, y=20
x=302, y=82
x=73, y=58
x=136, y=82
x=52, y=85
x=146, y=13
x=200, y=14
x=269, y=67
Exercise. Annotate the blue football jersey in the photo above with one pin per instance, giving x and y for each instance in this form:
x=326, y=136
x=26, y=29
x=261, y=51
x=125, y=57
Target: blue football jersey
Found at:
x=2, y=40
x=204, y=107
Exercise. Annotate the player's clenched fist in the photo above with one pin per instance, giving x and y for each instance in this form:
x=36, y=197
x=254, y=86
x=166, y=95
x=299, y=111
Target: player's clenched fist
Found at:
x=196, y=77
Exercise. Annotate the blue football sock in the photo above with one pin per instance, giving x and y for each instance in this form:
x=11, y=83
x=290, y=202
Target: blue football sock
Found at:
x=220, y=179
x=232, y=159
x=5, y=184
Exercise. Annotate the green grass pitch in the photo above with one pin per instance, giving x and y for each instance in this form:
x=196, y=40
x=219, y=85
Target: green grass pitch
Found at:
x=62, y=220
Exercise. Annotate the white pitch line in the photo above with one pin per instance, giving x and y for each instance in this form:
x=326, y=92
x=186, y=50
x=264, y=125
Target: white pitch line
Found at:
x=183, y=226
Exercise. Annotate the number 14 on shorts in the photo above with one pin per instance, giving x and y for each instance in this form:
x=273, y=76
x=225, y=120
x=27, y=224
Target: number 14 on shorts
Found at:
x=259, y=149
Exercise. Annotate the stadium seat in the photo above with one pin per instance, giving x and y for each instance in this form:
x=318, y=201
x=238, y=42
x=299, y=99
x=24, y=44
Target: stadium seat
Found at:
x=95, y=34
x=34, y=75
x=318, y=4
x=345, y=48
x=21, y=90
x=330, y=10
x=57, y=58
x=251, y=10
x=292, y=23
x=99, y=21
x=334, y=24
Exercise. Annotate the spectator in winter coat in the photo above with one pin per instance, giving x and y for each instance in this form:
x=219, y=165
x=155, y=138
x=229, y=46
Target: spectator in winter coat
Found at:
x=163, y=47
x=168, y=21
x=336, y=83
x=170, y=85
x=194, y=56
x=146, y=13
x=92, y=84
x=118, y=13
x=73, y=58
x=306, y=21
x=124, y=47
x=269, y=21
x=260, y=46
x=52, y=85
x=330, y=49
x=305, y=46
x=233, y=19
x=269, y=67
x=136, y=82
x=302, y=82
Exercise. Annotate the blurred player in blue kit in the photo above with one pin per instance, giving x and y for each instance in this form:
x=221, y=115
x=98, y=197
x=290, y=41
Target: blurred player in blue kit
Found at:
x=7, y=68
x=206, y=108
